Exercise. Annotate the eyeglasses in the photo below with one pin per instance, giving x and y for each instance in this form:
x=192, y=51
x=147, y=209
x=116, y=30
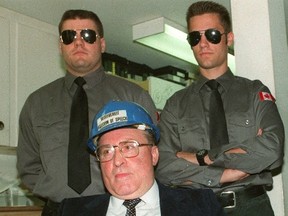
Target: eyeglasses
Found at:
x=88, y=35
x=128, y=149
x=212, y=35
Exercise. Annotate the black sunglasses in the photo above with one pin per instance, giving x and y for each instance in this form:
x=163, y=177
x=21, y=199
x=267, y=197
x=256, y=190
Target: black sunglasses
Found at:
x=88, y=35
x=212, y=35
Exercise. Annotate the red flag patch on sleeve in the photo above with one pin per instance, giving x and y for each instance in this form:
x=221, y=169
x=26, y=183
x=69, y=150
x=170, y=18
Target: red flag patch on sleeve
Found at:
x=266, y=96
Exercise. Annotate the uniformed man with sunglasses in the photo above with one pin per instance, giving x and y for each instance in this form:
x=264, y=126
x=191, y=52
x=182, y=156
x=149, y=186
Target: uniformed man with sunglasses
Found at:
x=239, y=168
x=44, y=136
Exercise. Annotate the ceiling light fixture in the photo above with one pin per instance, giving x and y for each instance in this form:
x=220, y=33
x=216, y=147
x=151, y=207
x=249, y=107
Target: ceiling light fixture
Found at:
x=168, y=37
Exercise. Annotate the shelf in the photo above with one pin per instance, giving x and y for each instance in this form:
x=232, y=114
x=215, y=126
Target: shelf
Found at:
x=21, y=211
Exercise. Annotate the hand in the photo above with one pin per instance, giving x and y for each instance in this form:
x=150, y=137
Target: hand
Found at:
x=191, y=157
x=235, y=151
x=232, y=175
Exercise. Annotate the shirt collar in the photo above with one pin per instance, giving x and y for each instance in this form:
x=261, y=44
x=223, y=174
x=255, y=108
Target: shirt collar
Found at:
x=91, y=79
x=224, y=80
x=152, y=195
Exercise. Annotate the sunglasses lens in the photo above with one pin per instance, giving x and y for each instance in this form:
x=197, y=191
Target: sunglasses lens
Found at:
x=194, y=38
x=68, y=36
x=89, y=35
x=213, y=36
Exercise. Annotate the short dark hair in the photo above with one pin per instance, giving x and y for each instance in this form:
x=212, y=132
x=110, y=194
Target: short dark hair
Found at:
x=82, y=14
x=150, y=137
x=204, y=7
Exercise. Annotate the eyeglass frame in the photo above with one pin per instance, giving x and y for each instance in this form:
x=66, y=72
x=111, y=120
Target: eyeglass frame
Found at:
x=81, y=32
x=120, y=147
x=203, y=32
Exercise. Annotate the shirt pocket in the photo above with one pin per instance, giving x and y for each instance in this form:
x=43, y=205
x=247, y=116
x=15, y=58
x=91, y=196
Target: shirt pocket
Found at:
x=191, y=134
x=51, y=130
x=241, y=127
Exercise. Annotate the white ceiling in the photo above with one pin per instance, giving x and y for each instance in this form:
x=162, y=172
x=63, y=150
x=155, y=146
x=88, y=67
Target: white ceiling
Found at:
x=117, y=16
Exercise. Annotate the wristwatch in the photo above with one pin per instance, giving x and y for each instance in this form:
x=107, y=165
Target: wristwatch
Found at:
x=200, y=156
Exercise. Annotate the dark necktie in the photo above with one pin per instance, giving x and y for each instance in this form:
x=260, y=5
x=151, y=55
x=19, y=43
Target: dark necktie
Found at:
x=130, y=205
x=217, y=121
x=78, y=156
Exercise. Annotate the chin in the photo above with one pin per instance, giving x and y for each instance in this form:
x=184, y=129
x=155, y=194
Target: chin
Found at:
x=124, y=190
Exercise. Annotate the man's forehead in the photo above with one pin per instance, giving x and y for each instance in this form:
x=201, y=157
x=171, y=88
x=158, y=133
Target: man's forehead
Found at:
x=205, y=21
x=79, y=24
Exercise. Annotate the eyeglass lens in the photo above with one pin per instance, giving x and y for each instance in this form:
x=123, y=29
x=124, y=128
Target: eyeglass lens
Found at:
x=128, y=149
x=87, y=35
x=212, y=35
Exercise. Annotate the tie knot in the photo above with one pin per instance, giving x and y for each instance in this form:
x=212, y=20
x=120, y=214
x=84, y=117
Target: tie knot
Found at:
x=213, y=84
x=130, y=204
x=80, y=81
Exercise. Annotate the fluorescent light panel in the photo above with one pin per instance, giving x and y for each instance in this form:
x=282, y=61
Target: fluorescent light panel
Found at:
x=164, y=35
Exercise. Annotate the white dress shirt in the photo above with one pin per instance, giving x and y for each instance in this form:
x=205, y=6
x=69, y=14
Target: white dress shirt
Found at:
x=149, y=205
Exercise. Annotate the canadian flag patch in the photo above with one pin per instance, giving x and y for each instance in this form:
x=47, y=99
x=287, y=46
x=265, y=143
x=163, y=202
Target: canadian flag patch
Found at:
x=266, y=96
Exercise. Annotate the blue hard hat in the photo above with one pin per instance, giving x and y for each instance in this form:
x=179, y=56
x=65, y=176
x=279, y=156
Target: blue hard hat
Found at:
x=118, y=114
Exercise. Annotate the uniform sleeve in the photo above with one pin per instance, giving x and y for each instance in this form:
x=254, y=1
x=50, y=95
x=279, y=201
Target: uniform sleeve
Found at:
x=28, y=157
x=146, y=101
x=176, y=171
x=265, y=150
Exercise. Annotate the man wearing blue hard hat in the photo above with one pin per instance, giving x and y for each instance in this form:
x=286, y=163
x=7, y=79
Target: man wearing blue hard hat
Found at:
x=124, y=138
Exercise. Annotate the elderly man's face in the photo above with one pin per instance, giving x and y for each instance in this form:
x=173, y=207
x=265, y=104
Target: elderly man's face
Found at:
x=128, y=178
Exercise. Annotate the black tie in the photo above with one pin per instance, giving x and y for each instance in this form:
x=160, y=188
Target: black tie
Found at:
x=217, y=121
x=130, y=205
x=78, y=156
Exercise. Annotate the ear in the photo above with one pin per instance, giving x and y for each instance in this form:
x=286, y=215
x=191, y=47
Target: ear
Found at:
x=60, y=47
x=103, y=45
x=230, y=38
x=155, y=155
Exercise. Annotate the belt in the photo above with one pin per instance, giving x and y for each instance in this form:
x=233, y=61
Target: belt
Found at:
x=229, y=198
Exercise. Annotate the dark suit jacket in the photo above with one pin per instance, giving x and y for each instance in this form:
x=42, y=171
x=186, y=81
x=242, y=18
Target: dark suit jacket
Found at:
x=173, y=202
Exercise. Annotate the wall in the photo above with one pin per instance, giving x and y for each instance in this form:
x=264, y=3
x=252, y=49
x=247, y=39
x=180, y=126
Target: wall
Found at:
x=261, y=53
x=29, y=58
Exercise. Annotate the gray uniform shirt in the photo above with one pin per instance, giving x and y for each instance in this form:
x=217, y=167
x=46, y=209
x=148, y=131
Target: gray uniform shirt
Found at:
x=184, y=127
x=44, y=131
